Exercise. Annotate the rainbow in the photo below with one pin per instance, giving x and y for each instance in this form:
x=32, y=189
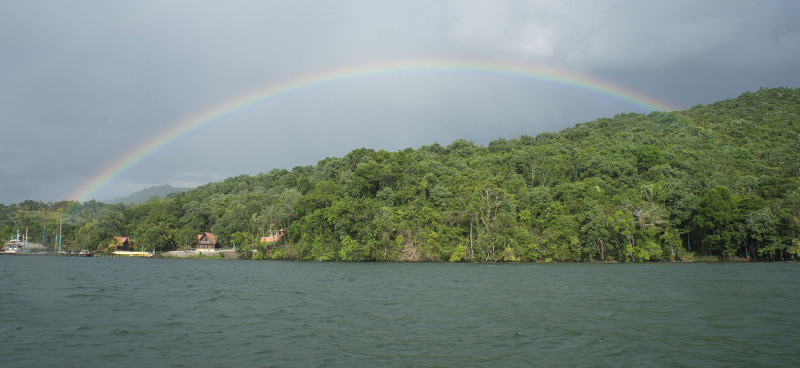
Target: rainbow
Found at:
x=491, y=68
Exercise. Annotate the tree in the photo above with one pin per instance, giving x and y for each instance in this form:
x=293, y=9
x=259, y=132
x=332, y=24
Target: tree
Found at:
x=486, y=205
x=715, y=211
x=761, y=227
x=596, y=232
x=240, y=238
x=351, y=250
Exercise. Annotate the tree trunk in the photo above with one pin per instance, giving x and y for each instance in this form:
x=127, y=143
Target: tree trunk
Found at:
x=471, y=250
x=689, y=241
x=602, y=249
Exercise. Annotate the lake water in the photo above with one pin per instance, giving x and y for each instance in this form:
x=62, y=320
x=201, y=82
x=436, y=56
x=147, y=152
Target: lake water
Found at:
x=82, y=312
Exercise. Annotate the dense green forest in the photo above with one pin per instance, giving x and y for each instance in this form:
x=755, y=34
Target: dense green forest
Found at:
x=720, y=181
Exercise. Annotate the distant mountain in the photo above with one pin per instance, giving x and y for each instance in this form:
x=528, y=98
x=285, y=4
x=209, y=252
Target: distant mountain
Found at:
x=146, y=194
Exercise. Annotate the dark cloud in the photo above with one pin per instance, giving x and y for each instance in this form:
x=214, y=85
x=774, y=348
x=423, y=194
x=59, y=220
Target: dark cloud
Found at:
x=85, y=82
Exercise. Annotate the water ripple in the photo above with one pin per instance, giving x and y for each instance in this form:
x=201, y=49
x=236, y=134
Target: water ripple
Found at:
x=200, y=313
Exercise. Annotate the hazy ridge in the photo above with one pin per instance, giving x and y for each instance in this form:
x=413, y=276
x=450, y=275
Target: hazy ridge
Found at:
x=158, y=191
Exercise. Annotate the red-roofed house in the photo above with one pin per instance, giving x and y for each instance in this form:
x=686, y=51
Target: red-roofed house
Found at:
x=206, y=241
x=124, y=243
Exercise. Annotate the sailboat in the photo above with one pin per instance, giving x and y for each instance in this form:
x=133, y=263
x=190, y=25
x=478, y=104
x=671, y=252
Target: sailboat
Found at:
x=17, y=245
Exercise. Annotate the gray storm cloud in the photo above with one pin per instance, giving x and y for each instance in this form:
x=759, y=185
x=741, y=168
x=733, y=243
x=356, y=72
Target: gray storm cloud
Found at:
x=83, y=83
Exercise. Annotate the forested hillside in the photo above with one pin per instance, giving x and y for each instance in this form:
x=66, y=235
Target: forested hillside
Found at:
x=159, y=191
x=720, y=181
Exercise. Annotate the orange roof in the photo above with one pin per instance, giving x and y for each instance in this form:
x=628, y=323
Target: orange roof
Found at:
x=122, y=239
x=272, y=238
x=209, y=236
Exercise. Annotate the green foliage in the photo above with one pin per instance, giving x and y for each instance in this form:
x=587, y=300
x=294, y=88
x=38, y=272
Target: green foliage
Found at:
x=351, y=250
x=716, y=181
x=241, y=238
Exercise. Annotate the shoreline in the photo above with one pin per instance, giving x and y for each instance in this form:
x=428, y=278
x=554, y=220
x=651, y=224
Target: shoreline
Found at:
x=230, y=254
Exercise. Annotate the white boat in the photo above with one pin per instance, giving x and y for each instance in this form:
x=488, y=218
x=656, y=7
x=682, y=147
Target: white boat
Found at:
x=17, y=245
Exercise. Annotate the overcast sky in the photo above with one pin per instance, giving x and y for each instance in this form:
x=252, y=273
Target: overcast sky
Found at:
x=83, y=83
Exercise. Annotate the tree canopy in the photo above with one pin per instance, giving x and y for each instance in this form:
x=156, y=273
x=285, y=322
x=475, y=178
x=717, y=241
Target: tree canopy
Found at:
x=721, y=180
